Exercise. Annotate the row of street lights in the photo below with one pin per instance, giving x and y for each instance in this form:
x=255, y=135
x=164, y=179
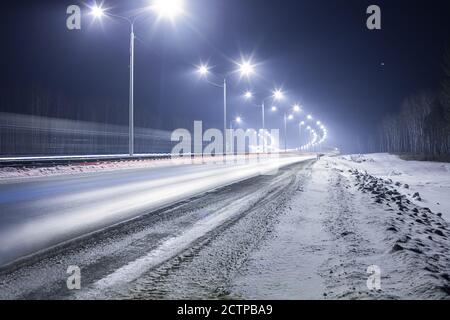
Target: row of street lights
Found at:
x=169, y=9
x=246, y=68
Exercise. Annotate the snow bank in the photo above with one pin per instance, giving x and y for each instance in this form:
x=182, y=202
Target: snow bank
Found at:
x=8, y=174
x=427, y=184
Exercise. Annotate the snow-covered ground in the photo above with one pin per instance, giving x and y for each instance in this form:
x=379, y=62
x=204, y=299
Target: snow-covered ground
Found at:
x=431, y=180
x=344, y=221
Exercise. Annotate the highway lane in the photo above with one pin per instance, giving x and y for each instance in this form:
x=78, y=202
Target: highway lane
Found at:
x=122, y=261
x=39, y=213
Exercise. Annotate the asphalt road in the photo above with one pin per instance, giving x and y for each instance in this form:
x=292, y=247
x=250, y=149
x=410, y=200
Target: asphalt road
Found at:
x=39, y=213
x=131, y=258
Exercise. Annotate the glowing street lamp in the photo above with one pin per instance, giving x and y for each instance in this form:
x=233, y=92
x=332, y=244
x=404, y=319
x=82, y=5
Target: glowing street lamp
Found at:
x=309, y=117
x=168, y=8
x=97, y=11
x=246, y=68
x=296, y=108
x=248, y=95
x=203, y=70
x=278, y=94
x=237, y=120
x=165, y=9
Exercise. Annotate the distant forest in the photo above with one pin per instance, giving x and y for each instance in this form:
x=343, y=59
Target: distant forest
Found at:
x=421, y=129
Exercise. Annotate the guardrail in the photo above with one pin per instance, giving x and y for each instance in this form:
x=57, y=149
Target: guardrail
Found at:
x=43, y=161
x=66, y=160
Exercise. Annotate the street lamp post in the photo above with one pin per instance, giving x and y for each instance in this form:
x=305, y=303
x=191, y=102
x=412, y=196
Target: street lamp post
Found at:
x=131, y=112
x=204, y=70
x=276, y=95
x=245, y=68
x=165, y=8
x=300, y=125
x=224, y=116
x=310, y=138
x=285, y=132
x=286, y=118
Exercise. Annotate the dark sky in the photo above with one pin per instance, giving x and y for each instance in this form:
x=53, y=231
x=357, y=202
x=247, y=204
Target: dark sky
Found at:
x=319, y=51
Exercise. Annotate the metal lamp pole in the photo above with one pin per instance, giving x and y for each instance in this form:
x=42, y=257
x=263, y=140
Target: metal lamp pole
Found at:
x=163, y=9
x=263, y=125
x=131, y=22
x=225, y=116
x=131, y=106
x=245, y=69
x=300, y=136
x=285, y=132
x=263, y=119
x=224, y=87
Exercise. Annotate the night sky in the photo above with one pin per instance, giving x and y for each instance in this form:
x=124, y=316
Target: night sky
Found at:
x=319, y=51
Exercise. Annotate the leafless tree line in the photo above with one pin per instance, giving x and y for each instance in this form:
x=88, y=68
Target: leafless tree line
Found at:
x=422, y=127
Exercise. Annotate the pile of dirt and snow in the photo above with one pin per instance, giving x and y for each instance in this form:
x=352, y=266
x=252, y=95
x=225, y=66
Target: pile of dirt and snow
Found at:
x=427, y=184
x=360, y=158
x=419, y=235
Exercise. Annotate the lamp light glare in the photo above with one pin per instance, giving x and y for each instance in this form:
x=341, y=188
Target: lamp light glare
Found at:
x=203, y=70
x=246, y=68
x=278, y=94
x=97, y=11
x=248, y=95
x=168, y=8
